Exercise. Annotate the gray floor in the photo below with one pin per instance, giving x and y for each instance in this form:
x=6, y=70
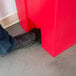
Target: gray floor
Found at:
x=34, y=61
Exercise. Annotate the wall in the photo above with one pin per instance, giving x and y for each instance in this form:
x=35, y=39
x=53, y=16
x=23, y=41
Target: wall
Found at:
x=7, y=7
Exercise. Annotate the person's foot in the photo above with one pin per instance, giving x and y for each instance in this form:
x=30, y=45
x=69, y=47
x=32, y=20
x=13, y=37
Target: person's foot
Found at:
x=27, y=39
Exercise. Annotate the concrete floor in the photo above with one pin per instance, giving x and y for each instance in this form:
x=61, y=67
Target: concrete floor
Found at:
x=34, y=61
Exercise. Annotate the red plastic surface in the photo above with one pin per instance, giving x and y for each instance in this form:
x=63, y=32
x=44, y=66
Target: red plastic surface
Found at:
x=55, y=18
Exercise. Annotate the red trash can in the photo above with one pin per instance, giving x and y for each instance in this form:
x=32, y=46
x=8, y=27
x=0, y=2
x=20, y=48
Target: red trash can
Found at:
x=55, y=18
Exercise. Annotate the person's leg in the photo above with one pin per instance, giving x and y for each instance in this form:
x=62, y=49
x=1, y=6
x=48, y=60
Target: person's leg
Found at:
x=9, y=43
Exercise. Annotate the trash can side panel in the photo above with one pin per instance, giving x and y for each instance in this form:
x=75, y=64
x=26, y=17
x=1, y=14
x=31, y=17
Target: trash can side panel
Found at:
x=48, y=26
x=66, y=25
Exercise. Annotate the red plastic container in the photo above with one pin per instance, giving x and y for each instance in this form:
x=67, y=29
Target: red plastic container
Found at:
x=55, y=18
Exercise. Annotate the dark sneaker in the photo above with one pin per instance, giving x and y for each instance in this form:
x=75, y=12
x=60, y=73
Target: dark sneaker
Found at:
x=25, y=40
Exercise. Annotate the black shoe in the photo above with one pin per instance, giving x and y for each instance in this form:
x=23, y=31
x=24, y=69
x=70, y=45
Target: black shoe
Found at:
x=25, y=40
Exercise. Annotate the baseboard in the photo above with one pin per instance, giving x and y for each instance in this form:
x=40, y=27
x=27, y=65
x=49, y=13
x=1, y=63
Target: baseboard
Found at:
x=9, y=20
